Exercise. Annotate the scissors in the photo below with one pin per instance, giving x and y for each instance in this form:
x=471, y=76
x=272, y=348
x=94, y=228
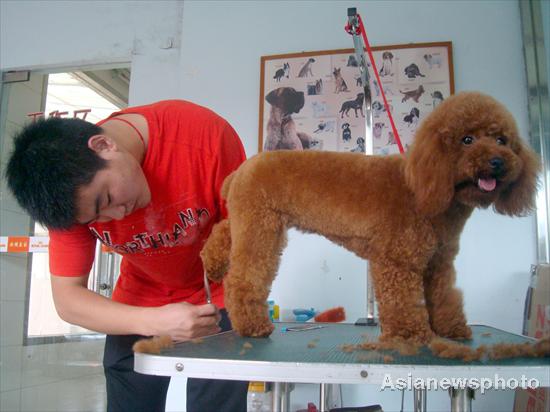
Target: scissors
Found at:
x=207, y=289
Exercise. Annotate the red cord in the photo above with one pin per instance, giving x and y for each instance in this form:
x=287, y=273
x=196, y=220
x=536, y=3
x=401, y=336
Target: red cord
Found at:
x=360, y=29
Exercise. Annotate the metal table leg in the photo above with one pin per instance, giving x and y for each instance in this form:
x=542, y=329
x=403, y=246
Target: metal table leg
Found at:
x=325, y=397
x=461, y=399
x=420, y=400
x=281, y=396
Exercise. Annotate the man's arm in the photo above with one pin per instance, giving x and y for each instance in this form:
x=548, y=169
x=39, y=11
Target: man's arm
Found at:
x=78, y=305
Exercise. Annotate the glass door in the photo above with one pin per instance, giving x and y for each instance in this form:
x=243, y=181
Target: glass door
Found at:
x=47, y=364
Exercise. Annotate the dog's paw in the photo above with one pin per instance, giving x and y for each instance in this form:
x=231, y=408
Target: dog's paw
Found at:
x=261, y=330
x=419, y=336
x=460, y=332
x=153, y=345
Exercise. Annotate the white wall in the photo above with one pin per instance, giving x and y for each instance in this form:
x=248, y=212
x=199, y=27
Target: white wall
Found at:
x=218, y=64
x=221, y=70
x=55, y=36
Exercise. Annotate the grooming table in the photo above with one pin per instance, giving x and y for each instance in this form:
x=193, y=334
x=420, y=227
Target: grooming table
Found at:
x=316, y=356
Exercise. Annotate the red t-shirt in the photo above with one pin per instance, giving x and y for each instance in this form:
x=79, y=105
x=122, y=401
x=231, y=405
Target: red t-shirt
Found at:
x=190, y=152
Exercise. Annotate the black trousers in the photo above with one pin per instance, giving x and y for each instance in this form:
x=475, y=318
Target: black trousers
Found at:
x=129, y=391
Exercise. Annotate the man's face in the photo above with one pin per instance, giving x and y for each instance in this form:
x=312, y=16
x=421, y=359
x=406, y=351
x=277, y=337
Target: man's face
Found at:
x=115, y=191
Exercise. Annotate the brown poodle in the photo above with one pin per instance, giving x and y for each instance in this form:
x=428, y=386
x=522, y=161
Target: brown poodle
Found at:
x=402, y=213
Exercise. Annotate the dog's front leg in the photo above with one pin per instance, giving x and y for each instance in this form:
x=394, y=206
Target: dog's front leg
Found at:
x=444, y=301
x=400, y=295
x=256, y=248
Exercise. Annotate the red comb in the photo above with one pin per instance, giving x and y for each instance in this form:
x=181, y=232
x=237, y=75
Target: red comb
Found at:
x=332, y=315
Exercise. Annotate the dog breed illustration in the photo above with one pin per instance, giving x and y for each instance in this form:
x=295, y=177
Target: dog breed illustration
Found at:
x=412, y=94
x=352, y=61
x=412, y=71
x=377, y=108
x=325, y=126
x=339, y=82
x=437, y=98
x=306, y=71
x=346, y=132
x=433, y=60
x=319, y=86
x=356, y=104
x=281, y=129
x=387, y=61
x=284, y=72
x=377, y=130
x=412, y=118
x=406, y=218
x=360, y=148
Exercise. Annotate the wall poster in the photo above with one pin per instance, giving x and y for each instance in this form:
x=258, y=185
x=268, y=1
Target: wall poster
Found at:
x=314, y=100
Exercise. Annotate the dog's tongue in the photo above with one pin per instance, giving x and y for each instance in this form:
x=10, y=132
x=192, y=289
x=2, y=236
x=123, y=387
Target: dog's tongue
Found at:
x=487, y=185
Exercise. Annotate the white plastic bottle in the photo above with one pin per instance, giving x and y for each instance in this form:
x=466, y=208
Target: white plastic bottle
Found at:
x=259, y=397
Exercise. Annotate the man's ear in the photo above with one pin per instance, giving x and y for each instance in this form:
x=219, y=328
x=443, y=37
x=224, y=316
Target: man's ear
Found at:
x=100, y=143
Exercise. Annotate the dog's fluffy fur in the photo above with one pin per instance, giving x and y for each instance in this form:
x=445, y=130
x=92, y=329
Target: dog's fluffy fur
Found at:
x=405, y=217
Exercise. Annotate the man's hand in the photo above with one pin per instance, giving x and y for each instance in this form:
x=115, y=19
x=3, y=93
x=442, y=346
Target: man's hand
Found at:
x=183, y=321
x=80, y=306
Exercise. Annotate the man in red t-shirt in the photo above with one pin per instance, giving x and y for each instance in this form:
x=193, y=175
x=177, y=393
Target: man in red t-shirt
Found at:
x=145, y=182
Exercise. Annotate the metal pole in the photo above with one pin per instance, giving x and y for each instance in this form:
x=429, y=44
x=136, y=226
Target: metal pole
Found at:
x=281, y=396
x=276, y=401
x=353, y=22
x=325, y=397
x=420, y=400
x=461, y=399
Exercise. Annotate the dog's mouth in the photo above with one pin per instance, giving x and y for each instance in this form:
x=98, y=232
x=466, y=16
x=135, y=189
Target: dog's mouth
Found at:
x=485, y=184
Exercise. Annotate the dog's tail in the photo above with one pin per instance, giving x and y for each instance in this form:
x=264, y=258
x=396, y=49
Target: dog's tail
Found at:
x=215, y=252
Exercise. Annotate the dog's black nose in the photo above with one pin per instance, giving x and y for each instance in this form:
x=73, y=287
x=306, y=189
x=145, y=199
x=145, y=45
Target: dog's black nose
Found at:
x=497, y=164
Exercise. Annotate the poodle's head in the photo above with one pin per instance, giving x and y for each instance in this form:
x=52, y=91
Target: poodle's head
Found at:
x=468, y=150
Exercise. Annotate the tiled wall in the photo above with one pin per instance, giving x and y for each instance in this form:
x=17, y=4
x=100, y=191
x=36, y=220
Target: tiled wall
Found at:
x=50, y=377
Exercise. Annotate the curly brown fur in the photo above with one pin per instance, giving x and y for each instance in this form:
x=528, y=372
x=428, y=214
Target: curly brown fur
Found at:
x=539, y=349
x=405, y=217
x=446, y=349
x=454, y=350
x=399, y=345
x=153, y=345
x=216, y=265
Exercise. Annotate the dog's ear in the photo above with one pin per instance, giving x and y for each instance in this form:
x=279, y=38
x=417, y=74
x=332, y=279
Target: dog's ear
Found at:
x=429, y=172
x=273, y=97
x=519, y=198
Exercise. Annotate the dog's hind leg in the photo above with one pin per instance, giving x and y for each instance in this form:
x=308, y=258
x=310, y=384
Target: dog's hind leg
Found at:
x=255, y=254
x=215, y=252
x=399, y=292
x=444, y=303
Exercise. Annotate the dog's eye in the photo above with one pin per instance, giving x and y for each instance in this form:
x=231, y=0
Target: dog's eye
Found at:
x=501, y=140
x=467, y=140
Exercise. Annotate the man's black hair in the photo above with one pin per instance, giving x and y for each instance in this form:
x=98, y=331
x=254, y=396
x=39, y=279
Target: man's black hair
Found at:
x=51, y=160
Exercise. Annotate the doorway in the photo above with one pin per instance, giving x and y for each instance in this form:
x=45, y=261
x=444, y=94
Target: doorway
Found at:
x=46, y=363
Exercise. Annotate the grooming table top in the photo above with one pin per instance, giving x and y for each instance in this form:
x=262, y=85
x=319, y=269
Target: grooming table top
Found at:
x=316, y=356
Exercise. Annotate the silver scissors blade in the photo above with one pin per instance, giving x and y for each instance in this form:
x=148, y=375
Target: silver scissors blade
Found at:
x=207, y=289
